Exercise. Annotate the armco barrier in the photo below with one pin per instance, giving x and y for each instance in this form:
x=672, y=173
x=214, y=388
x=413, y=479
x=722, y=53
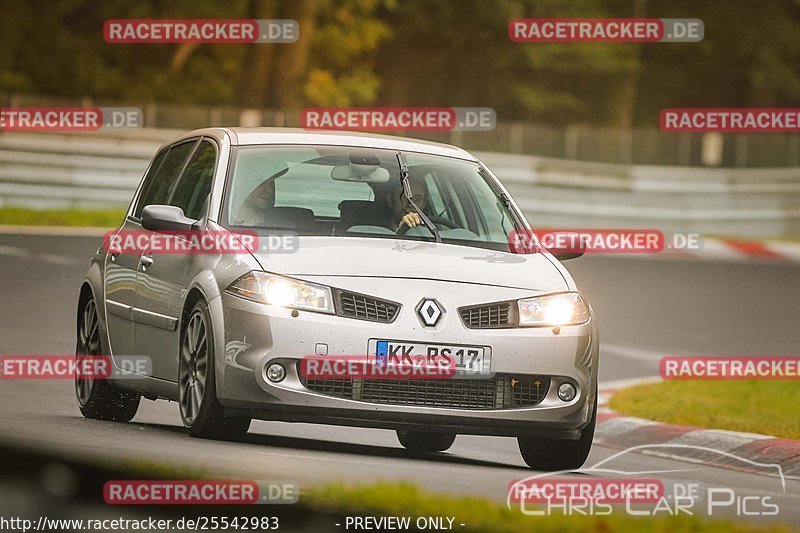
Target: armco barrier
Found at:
x=90, y=170
x=87, y=170
x=736, y=202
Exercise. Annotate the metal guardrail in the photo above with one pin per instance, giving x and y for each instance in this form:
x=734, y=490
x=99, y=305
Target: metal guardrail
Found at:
x=735, y=202
x=641, y=145
x=87, y=170
x=101, y=170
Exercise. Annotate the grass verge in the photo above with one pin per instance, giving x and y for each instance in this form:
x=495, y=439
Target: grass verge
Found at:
x=104, y=218
x=753, y=406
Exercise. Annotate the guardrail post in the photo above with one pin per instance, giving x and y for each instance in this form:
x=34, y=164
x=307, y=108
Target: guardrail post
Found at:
x=625, y=151
x=215, y=117
x=794, y=151
x=571, y=142
x=456, y=137
x=250, y=118
x=151, y=115
x=741, y=150
x=684, y=150
x=515, y=138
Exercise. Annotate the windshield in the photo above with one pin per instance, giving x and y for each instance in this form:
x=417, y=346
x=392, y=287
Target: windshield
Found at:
x=348, y=191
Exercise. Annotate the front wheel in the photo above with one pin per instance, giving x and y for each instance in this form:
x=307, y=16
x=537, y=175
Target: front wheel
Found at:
x=201, y=412
x=558, y=454
x=425, y=442
x=97, y=398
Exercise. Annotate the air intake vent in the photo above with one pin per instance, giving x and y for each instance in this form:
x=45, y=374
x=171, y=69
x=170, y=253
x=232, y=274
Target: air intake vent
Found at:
x=502, y=391
x=354, y=305
x=496, y=315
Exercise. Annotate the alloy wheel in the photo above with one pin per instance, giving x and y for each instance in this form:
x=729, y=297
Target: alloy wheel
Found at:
x=193, y=366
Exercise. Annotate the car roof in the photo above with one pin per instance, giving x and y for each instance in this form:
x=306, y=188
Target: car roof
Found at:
x=255, y=136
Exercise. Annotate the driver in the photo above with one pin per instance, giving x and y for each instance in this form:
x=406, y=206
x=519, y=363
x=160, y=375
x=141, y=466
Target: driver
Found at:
x=258, y=202
x=400, y=210
x=256, y=207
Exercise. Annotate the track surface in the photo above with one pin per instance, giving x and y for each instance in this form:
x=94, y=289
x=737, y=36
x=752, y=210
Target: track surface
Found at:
x=646, y=308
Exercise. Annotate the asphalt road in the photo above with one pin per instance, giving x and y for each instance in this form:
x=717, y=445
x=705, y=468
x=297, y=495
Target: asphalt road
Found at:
x=646, y=308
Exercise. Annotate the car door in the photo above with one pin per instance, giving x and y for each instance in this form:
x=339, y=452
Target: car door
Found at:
x=164, y=279
x=120, y=276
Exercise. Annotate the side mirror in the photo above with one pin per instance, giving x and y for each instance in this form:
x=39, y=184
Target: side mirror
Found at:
x=567, y=255
x=166, y=218
x=567, y=245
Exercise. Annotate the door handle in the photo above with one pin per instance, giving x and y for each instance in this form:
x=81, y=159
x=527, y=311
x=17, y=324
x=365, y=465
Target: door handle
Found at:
x=146, y=261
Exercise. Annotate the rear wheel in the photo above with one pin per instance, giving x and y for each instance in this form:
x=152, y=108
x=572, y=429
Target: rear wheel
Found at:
x=558, y=454
x=425, y=442
x=201, y=412
x=97, y=398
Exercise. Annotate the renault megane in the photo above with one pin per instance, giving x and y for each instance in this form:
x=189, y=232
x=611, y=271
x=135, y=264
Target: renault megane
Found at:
x=400, y=247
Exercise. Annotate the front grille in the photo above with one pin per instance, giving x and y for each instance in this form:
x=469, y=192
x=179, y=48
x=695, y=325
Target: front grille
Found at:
x=360, y=306
x=502, y=391
x=495, y=315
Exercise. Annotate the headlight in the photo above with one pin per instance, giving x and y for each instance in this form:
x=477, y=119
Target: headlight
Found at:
x=554, y=310
x=283, y=292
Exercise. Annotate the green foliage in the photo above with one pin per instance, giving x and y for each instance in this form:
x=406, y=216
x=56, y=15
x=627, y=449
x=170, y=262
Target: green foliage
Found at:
x=414, y=52
x=104, y=218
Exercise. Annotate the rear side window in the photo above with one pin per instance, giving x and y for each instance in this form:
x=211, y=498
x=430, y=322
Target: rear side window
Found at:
x=156, y=189
x=195, y=185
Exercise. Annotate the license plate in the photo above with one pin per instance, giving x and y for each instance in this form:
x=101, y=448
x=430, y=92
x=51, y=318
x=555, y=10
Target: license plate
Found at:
x=467, y=359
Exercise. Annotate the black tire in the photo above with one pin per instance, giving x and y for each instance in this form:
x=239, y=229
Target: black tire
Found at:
x=559, y=454
x=200, y=410
x=98, y=398
x=425, y=442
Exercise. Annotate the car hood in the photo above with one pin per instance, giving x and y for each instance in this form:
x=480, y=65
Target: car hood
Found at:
x=392, y=258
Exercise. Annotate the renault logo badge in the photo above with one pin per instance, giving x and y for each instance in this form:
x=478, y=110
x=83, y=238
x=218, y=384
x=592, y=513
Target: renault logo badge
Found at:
x=429, y=311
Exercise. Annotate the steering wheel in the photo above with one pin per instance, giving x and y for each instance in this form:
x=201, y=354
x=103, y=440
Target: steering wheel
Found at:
x=439, y=221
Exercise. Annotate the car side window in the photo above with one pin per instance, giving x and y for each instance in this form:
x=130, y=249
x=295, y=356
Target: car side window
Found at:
x=157, y=191
x=195, y=184
x=148, y=179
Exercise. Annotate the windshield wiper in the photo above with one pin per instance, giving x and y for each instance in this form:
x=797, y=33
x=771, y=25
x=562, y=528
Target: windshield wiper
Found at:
x=410, y=197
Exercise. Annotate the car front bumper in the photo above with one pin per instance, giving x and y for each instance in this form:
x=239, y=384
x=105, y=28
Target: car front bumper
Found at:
x=257, y=335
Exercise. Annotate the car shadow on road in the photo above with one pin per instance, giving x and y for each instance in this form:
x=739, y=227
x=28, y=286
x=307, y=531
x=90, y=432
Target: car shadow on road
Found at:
x=361, y=450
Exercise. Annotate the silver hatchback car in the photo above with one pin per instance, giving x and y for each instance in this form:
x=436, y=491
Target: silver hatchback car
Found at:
x=388, y=248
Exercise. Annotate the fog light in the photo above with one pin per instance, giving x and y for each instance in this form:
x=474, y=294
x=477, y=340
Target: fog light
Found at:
x=566, y=392
x=276, y=373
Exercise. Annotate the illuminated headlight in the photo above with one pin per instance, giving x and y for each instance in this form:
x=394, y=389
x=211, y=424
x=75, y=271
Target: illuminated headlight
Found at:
x=283, y=292
x=554, y=310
